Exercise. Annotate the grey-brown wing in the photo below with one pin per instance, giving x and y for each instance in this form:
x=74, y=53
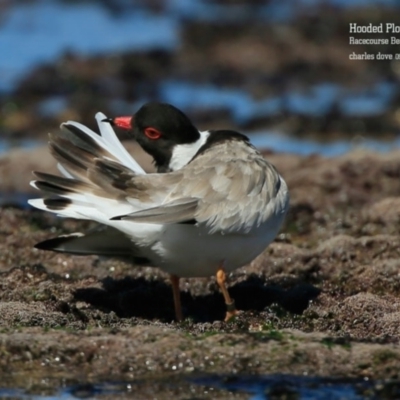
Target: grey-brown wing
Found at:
x=227, y=188
x=234, y=187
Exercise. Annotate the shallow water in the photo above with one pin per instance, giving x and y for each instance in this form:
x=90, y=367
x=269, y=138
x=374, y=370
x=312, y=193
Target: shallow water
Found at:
x=281, y=143
x=317, y=100
x=41, y=31
x=251, y=388
x=275, y=141
x=37, y=32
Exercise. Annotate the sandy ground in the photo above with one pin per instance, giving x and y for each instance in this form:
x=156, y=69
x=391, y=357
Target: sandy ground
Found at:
x=323, y=299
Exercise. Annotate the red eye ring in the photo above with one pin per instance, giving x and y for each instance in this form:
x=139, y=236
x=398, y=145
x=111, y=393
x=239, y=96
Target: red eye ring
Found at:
x=152, y=133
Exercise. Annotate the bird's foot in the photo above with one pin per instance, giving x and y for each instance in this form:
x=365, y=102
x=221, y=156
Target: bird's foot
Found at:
x=231, y=311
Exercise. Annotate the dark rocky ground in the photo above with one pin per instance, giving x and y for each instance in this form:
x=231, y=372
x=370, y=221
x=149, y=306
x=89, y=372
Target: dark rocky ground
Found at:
x=323, y=299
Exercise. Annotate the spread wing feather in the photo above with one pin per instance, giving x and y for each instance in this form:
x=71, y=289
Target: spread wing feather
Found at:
x=90, y=164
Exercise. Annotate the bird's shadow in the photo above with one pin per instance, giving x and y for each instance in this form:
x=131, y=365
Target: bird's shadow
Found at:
x=137, y=297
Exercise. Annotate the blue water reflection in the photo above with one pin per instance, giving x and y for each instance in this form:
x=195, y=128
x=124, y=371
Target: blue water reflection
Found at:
x=38, y=32
x=282, y=386
x=253, y=388
x=317, y=100
x=274, y=141
x=370, y=101
x=281, y=143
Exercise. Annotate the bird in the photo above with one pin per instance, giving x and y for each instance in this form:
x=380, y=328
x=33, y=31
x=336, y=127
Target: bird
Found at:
x=212, y=206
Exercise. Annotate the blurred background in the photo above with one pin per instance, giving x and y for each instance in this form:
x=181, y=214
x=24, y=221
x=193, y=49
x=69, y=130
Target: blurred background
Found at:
x=278, y=70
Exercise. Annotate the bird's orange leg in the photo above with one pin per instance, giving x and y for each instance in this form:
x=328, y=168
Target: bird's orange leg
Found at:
x=177, y=297
x=230, y=303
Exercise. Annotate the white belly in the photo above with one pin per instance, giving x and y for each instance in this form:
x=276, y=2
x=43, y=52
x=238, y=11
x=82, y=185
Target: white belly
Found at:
x=188, y=251
x=191, y=251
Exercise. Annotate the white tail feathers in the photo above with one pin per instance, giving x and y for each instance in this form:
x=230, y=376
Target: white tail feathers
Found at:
x=83, y=204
